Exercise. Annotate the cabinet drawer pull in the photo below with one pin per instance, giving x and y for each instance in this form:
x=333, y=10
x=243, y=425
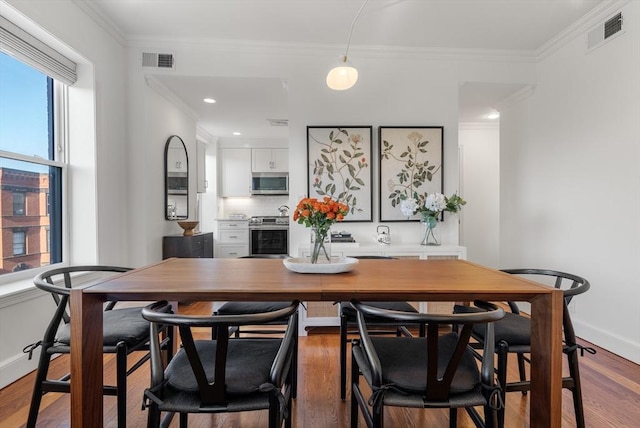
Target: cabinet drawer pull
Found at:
x=233, y=236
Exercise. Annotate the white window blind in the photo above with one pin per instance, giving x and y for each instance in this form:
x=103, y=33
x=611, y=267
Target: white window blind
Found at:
x=22, y=45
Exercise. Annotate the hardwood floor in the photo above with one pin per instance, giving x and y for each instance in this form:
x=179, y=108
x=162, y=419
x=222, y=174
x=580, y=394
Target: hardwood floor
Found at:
x=611, y=394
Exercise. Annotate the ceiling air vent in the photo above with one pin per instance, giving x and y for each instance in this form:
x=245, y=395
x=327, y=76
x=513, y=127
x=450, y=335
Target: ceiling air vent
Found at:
x=603, y=31
x=278, y=122
x=157, y=60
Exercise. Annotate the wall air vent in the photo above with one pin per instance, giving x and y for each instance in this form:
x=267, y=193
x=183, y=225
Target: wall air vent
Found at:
x=157, y=60
x=603, y=31
x=278, y=122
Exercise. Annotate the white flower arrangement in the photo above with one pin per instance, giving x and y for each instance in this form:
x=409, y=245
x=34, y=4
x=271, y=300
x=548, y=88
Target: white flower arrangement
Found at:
x=408, y=206
x=430, y=205
x=435, y=202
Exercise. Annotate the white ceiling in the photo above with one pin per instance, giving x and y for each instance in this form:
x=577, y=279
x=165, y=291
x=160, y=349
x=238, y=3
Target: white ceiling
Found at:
x=513, y=25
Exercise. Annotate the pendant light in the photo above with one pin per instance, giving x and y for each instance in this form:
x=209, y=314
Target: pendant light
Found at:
x=344, y=75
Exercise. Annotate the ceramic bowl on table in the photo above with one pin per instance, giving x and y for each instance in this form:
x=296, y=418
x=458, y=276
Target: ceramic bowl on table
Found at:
x=337, y=265
x=188, y=227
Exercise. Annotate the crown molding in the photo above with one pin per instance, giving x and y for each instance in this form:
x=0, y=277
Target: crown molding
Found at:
x=516, y=97
x=321, y=50
x=102, y=20
x=160, y=88
x=204, y=136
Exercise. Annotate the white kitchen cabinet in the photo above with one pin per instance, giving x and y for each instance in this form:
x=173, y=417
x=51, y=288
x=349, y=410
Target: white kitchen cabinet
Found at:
x=233, y=239
x=235, y=172
x=270, y=160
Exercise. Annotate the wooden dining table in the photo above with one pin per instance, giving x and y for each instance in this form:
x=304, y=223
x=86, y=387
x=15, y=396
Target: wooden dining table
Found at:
x=268, y=280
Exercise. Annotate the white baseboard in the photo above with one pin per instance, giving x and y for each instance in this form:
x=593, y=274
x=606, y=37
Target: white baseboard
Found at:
x=17, y=366
x=611, y=342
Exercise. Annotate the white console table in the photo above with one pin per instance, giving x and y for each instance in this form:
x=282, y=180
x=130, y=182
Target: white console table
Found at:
x=322, y=314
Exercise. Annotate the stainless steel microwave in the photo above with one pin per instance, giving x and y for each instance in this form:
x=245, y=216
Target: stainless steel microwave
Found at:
x=270, y=183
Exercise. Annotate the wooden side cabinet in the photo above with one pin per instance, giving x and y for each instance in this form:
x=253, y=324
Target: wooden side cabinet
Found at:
x=196, y=246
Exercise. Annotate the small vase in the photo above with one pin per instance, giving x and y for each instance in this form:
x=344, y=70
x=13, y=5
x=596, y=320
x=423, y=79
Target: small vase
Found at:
x=428, y=227
x=320, y=245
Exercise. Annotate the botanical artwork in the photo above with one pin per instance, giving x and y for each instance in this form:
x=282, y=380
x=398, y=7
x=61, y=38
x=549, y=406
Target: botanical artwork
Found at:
x=410, y=164
x=339, y=167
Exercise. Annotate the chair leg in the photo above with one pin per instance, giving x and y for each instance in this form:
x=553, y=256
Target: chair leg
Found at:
x=355, y=381
x=453, y=417
x=343, y=357
x=153, y=416
x=274, y=411
x=501, y=350
x=523, y=374
x=294, y=361
x=184, y=420
x=576, y=390
x=121, y=384
x=36, y=397
x=377, y=412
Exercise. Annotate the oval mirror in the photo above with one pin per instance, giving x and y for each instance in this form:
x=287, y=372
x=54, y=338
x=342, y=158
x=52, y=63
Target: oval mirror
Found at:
x=176, y=179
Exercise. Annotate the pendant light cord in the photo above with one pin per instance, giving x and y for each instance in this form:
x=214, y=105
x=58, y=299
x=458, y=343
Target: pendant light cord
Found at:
x=346, y=52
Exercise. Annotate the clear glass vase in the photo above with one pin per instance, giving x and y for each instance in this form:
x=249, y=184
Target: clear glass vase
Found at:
x=320, y=245
x=429, y=237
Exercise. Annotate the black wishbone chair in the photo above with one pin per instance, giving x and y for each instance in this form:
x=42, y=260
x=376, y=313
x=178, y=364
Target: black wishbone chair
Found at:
x=513, y=335
x=124, y=331
x=222, y=375
x=436, y=371
x=348, y=319
x=245, y=308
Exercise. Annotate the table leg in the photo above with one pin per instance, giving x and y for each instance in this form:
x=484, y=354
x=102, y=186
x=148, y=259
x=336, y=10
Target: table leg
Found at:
x=86, y=360
x=546, y=360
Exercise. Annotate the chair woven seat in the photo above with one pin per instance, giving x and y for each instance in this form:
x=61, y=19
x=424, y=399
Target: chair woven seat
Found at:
x=350, y=312
x=248, y=365
x=402, y=362
x=514, y=329
x=239, y=308
x=119, y=325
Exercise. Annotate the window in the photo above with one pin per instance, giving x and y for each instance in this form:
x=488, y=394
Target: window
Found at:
x=19, y=243
x=18, y=203
x=30, y=170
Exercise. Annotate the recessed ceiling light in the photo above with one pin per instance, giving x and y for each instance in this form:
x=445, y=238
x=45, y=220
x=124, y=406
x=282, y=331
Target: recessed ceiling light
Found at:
x=493, y=115
x=209, y=100
x=237, y=133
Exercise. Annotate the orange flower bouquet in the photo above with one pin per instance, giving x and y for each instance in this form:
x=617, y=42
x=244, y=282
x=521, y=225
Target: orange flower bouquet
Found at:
x=319, y=215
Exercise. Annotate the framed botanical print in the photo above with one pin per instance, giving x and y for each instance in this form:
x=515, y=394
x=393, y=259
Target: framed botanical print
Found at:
x=339, y=166
x=410, y=162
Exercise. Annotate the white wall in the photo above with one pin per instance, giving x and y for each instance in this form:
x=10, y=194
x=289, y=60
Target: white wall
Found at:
x=153, y=118
x=570, y=181
x=480, y=186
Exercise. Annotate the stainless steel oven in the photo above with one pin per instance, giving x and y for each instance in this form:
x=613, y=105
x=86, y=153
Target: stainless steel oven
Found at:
x=269, y=235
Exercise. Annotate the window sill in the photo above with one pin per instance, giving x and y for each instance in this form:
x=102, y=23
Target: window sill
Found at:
x=18, y=291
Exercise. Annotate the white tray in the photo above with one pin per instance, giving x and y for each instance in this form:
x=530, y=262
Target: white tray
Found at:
x=302, y=265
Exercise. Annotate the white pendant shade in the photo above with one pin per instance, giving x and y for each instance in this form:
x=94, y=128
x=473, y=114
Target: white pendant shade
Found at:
x=342, y=77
